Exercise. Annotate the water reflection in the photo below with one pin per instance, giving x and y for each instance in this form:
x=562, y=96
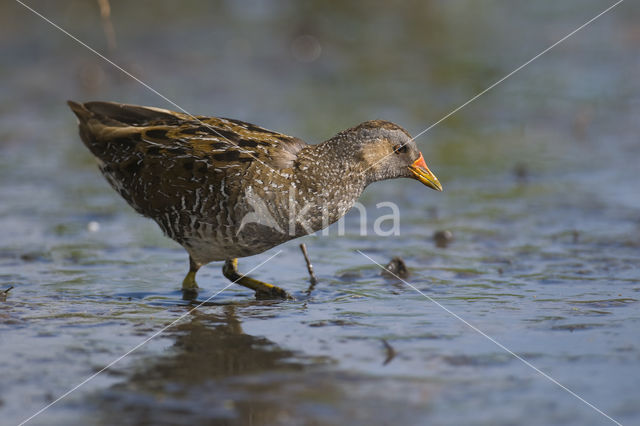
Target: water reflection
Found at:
x=214, y=371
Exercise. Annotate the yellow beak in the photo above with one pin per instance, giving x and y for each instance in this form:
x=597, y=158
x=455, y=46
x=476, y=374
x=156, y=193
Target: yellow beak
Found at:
x=422, y=173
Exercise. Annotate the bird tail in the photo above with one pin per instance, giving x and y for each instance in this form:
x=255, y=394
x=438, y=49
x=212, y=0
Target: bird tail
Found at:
x=80, y=111
x=116, y=114
x=86, y=124
x=101, y=122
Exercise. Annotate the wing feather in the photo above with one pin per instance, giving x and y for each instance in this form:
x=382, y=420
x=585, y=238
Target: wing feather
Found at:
x=105, y=125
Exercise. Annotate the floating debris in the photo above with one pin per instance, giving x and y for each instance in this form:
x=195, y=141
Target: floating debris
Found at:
x=391, y=353
x=521, y=173
x=396, y=269
x=93, y=226
x=4, y=293
x=31, y=256
x=443, y=238
x=350, y=275
x=312, y=276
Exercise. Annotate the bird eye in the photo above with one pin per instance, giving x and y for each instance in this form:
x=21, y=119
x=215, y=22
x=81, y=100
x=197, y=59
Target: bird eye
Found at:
x=400, y=149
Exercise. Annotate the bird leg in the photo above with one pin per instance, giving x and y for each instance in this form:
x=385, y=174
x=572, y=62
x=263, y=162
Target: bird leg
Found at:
x=263, y=290
x=189, y=283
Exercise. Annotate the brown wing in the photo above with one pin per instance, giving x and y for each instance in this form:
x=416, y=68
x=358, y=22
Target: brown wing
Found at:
x=219, y=140
x=157, y=158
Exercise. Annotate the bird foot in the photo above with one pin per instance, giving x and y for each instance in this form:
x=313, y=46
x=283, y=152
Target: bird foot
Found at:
x=273, y=292
x=263, y=290
x=189, y=283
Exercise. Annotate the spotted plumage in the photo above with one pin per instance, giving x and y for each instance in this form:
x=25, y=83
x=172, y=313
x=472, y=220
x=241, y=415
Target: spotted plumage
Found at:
x=224, y=188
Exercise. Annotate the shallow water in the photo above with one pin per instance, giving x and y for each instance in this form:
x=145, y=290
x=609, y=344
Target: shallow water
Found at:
x=541, y=195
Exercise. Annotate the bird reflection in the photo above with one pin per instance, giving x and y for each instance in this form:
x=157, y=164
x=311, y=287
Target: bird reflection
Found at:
x=214, y=372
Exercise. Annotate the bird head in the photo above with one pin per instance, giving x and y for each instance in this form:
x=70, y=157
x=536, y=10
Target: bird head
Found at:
x=387, y=151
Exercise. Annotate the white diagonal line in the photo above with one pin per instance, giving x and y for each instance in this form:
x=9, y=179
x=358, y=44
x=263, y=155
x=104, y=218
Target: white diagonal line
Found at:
x=449, y=114
x=517, y=69
x=139, y=345
x=500, y=345
x=127, y=73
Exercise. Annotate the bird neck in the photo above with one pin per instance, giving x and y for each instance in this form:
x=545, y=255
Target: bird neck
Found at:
x=327, y=182
x=335, y=164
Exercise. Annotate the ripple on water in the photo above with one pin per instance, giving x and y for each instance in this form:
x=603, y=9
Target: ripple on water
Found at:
x=604, y=303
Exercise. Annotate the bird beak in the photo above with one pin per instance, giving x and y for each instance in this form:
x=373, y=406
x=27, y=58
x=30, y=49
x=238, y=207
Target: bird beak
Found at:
x=422, y=173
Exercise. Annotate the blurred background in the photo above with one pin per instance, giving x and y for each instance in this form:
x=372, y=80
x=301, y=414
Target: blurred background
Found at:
x=541, y=205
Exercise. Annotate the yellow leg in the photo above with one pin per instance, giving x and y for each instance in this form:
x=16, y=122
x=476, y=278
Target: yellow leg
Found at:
x=189, y=283
x=262, y=289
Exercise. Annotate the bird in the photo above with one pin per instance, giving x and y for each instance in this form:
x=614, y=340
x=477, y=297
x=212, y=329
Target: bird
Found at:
x=226, y=189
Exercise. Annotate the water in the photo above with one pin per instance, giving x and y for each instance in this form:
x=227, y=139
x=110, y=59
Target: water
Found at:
x=541, y=195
